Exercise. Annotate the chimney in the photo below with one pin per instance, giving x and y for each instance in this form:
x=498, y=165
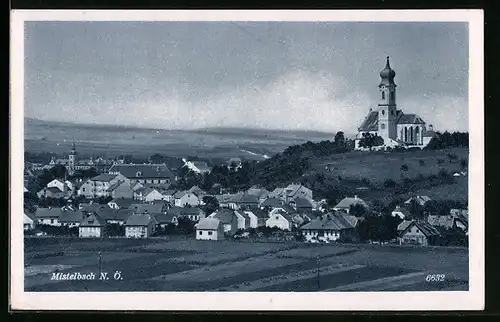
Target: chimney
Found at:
x=397, y=207
x=355, y=196
x=431, y=128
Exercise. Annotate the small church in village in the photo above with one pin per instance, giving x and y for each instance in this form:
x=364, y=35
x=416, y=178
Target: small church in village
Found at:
x=392, y=125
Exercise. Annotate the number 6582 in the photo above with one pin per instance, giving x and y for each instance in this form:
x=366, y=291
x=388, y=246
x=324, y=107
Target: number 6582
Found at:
x=435, y=278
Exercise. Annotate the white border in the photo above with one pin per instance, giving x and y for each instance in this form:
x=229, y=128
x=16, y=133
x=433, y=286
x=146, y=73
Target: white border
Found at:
x=363, y=301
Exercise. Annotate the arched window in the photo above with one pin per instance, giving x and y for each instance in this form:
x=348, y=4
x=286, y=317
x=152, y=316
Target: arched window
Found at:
x=383, y=112
x=383, y=95
x=382, y=126
x=406, y=134
x=411, y=133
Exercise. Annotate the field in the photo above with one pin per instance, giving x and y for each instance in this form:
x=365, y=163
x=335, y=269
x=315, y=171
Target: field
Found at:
x=190, y=265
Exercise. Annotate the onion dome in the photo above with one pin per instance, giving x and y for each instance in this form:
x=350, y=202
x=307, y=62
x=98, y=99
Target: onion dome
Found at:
x=387, y=75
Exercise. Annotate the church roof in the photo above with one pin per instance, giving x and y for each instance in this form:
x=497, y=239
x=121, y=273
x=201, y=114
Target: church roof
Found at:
x=410, y=119
x=370, y=123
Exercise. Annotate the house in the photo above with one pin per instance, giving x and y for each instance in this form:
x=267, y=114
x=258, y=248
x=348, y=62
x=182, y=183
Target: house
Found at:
x=193, y=213
x=91, y=208
x=283, y=208
x=164, y=219
x=168, y=195
x=334, y=226
x=450, y=221
x=121, y=189
x=121, y=216
x=92, y=226
x=298, y=219
x=199, y=167
x=121, y=203
x=294, y=191
x=258, y=217
x=271, y=203
x=234, y=200
x=107, y=214
x=144, y=173
x=209, y=229
x=52, y=192
x=247, y=202
x=401, y=212
x=71, y=218
x=280, y=219
x=149, y=208
x=57, y=184
x=419, y=233
x=48, y=216
x=243, y=219
x=346, y=203
x=29, y=221
x=152, y=195
x=140, y=226
x=301, y=204
x=228, y=219
x=460, y=212
x=98, y=186
x=311, y=215
x=421, y=200
x=184, y=198
x=223, y=200
x=260, y=193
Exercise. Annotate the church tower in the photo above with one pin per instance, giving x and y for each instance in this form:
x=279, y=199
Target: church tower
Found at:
x=387, y=112
x=72, y=160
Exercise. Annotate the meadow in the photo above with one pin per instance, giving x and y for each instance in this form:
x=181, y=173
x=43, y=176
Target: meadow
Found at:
x=189, y=265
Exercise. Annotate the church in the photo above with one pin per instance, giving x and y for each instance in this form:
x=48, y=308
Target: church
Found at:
x=392, y=125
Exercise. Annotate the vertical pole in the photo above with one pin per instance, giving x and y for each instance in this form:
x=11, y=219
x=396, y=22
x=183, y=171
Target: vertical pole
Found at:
x=317, y=262
x=100, y=261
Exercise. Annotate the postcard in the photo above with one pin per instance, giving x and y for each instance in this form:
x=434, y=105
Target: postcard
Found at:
x=247, y=160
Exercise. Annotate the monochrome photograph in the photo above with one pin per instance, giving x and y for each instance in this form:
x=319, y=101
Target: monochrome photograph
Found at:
x=242, y=155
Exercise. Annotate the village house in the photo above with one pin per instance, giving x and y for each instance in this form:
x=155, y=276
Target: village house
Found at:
x=243, y=219
x=280, y=219
x=223, y=200
x=153, y=194
x=234, y=200
x=91, y=208
x=449, y=221
x=121, y=216
x=52, y=192
x=291, y=192
x=258, y=217
x=209, y=229
x=247, y=202
x=336, y=226
x=199, y=167
x=403, y=225
x=48, y=216
x=421, y=200
x=92, y=226
x=98, y=186
x=459, y=212
x=228, y=219
x=283, y=208
x=144, y=173
x=149, y=208
x=186, y=198
x=419, y=233
x=121, y=203
x=164, y=219
x=29, y=221
x=346, y=203
x=121, y=189
x=401, y=212
x=260, y=193
x=271, y=203
x=140, y=226
x=107, y=214
x=65, y=186
x=192, y=213
x=71, y=218
x=301, y=204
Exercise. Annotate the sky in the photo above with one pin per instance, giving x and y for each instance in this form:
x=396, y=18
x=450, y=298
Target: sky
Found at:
x=320, y=76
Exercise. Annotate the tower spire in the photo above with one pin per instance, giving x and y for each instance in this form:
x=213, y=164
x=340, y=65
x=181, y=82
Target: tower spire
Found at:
x=387, y=65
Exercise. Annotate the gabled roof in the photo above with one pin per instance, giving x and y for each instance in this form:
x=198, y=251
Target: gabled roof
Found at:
x=283, y=214
x=427, y=229
x=71, y=216
x=420, y=199
x=226, y=216
x=94, y=207
x=31, y=216
x=190, y=211
x=165, y=218
x=331, y=221
x=104, y=177
x=248, y=199
x=404, y=224
x=443, y=221
x=116, y=185
x=313, y=214
x=258, y=213
x=139, y=220
x=223, y=198
x=236, y=197
x=257, y=192
x=276, y=192
x=409, y=119
x=53, y=190
x=347, y=202
x=271, y=202
x=302, y=203
x=175, y=210
x=208, y=224
x=370, y=123
x=142, y=208
x=93, y=221
x=48, y=212
x=287, y=208
x=123, y=202
x=402, y=210
x=123, y=214
x=201, y=165
x=107, y=213
x=157, y=171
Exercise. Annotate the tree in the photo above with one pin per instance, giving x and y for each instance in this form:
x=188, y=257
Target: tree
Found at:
x=211, y=204
x=186, y=226
x=358, y=210
x=339, y=138
x=370, y=140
